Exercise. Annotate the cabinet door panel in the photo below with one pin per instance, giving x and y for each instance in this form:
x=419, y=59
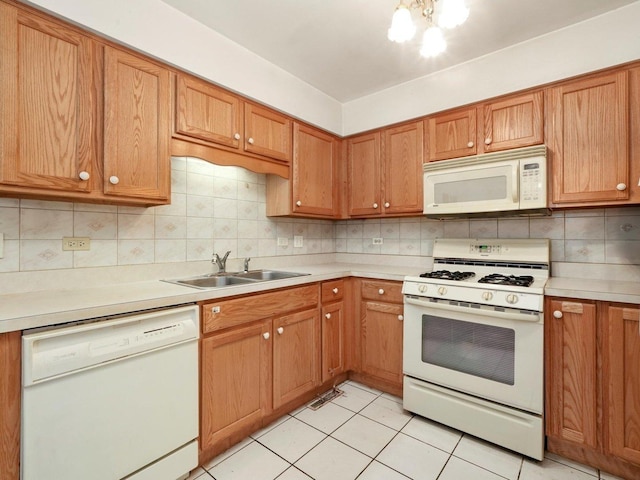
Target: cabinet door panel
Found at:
x=571, y=372
x=136, y=127
x=381, y=332
x=364, y=174
x=403, y=158
x=513, y=123
x=314, y=172
x=296, y=349
x=235, y=381
x=47, y=104
x=208, y=113
x=332, y=340
x=589, y=140
x=267, y=133
x=623, y=370
x=452, y=135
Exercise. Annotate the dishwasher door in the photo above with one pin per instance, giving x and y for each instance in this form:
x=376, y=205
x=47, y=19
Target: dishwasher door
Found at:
x=112, y=398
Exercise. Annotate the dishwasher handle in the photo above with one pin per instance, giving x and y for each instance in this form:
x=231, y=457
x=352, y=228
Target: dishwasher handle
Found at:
x=64, y=350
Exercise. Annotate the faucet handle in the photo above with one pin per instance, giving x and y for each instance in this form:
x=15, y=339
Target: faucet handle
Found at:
x=246, y=264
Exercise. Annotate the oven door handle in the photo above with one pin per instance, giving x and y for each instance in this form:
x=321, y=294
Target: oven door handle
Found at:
x=512, y=314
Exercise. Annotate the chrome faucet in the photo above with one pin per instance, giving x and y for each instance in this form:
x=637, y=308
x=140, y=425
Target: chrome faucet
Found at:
x=220, y=262
x=246, y=264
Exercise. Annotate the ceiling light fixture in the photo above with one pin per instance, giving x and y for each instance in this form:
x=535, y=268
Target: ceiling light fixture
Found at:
x=452, y=14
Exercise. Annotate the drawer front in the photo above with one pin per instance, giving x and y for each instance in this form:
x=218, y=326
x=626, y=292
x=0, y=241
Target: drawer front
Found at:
x=383, y=291
x=332, y=291
x=220, y=314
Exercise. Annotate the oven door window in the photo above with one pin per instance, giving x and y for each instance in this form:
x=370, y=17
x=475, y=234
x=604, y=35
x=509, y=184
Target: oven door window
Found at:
x=484, y=351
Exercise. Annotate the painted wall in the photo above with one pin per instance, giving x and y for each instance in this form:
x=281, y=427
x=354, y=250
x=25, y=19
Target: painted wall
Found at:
x=155, y=28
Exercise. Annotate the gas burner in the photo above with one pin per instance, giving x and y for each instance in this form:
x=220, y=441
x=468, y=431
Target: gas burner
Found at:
x=448, y=275
x=499, y=279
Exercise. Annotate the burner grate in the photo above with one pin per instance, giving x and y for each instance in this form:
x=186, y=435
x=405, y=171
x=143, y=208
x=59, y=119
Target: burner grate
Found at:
x=448, y=275
x=513, y=280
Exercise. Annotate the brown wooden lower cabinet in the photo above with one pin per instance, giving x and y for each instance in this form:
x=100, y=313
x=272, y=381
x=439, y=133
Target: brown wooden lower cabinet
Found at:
x=593, y=383
x=10, y=358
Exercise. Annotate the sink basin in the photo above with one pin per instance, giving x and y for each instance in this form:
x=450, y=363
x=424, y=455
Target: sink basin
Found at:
x=262, y=275
x=230, y=279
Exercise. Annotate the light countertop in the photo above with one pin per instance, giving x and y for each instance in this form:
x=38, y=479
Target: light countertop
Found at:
x=594, y=289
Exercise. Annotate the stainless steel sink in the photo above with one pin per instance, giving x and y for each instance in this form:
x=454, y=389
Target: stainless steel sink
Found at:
x=231, y=279
x=262, y=275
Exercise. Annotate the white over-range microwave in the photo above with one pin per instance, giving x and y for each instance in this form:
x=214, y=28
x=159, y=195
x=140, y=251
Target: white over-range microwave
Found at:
x=504, y=183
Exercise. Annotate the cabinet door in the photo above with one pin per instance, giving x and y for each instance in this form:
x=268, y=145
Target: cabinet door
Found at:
x=452, y=135
x=48, y=110
x=267, y=133
x=10, y=390
x=296, y=355
x=381, y=340
x=332, y=340
x=571, y=371
x=513, y=123
x=622, y=388
x=589, y=140
x=364, y=169
x=206, y=112
x=137, y=127
x=235, y=386
x=314, y=172
x=403, y=156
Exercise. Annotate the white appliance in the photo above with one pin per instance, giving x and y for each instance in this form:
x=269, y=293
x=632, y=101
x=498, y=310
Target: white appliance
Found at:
x=509, y=182
x=112, y=398
x=473, y=340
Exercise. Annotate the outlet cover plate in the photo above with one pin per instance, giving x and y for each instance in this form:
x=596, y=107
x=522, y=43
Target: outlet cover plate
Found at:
x=76, y=243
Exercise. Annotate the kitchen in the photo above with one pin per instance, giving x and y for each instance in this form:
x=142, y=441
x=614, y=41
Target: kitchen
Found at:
x=225, y=207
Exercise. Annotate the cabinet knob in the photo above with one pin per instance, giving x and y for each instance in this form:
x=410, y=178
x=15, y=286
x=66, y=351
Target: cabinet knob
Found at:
x=280, y=330
x=84, y=176
x=266, y=335
x=470, y=144
x=621, y=187
x=327, y=316
x=487, y=141
x=335, y=290
x=401, y=317
x=113, y=180
x=387, y=204
x=557, y=314
x=250, y=140
x=375, y=205
x=236, y=136
x=381, y=291
x=298, y=203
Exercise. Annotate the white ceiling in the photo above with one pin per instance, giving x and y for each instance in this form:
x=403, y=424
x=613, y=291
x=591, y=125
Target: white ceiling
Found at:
x=341, y=47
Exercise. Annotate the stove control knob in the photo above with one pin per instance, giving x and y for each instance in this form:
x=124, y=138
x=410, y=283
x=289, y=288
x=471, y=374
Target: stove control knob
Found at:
x=442, y=290
x=487, y=296
x=512, y=298
x=422, y=288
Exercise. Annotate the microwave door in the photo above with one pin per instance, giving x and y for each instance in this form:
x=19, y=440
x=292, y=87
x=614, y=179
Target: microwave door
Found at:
x=481, y=188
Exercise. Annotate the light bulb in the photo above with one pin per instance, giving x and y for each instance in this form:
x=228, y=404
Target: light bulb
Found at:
x=433, y=42
x=454, y=13
x=402, y=27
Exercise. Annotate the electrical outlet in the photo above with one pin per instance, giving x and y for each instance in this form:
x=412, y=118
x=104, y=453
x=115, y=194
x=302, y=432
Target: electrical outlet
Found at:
x=377, y=241
x=298, y=241
x=76, y=243
x=283, y=241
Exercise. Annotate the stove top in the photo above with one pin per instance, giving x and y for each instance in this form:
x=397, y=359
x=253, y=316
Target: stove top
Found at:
x=500, y=279
x=449, y=275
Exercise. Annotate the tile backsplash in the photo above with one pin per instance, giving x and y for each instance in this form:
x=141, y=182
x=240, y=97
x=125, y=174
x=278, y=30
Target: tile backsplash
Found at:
x=216, y=208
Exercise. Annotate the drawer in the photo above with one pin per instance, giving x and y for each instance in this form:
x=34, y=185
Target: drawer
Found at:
x=222, y=313
x=382, y=290
x=332, y=291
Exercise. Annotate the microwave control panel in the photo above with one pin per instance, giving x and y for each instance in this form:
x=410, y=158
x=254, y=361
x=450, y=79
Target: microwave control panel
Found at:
x=533, y=182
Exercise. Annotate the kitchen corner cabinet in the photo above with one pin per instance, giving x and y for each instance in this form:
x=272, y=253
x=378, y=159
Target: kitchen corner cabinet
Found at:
x=510, y=122
x=312, y=189
x=593, y=397
x=333, y=329
x=385, y=171
x=588, y=133
x=10, y=392
x=381, y=330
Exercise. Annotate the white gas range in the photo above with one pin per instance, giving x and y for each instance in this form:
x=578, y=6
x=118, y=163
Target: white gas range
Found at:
x=473, y=340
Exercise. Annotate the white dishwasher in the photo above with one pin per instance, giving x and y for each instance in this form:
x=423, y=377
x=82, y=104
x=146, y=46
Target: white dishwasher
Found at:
x=112, y=398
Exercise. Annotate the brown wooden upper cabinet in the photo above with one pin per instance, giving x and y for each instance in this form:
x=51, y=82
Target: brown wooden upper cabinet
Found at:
x=512, y=122
x=588, y=128
x=385, y=171
x=51, y=105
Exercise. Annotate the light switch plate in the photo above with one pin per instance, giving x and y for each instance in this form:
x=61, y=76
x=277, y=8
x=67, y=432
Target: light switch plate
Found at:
x=298, y=241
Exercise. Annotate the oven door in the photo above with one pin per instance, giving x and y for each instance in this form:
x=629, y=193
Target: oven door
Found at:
x=492, y=354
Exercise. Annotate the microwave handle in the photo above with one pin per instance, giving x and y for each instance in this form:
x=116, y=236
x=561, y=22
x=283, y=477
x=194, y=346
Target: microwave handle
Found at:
x=515, y=186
